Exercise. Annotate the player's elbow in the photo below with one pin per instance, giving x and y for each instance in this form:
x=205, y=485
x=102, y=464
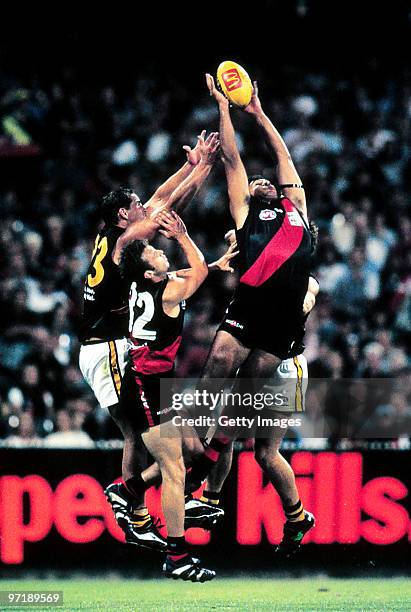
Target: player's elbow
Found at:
x=204, y=270
x=201, y=272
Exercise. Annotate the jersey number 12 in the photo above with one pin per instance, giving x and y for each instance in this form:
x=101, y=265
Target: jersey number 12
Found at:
x=145, y=301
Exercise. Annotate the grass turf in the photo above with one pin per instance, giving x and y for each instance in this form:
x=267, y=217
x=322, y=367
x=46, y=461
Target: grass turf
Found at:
x=260, y=594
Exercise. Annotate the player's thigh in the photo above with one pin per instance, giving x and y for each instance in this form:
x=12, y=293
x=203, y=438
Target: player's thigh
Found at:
x=259, y=364
x=225, y=357
x=102, y=365
x=256, y=371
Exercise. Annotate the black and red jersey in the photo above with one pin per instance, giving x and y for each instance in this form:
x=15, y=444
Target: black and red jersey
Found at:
x=155, y=337
x=105, y=299
x=275, y=256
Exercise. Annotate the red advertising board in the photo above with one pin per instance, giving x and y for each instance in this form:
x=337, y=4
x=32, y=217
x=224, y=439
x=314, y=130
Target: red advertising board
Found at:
x=350, y=507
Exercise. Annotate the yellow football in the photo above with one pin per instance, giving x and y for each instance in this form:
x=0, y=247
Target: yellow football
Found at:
x=234, y=83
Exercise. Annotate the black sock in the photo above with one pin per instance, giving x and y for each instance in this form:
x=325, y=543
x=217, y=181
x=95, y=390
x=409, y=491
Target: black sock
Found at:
x=210, y=497
x=135, y=485
x=176, y=547
x=294, y=513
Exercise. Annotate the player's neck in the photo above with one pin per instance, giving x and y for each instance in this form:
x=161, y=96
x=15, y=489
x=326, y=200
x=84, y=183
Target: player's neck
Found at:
x=157, y=278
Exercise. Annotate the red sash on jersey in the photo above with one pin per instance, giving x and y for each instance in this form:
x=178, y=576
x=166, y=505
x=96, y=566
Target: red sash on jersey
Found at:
x=280, y=248
x=148, y=361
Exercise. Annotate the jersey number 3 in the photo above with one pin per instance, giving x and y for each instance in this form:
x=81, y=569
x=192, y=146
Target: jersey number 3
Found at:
x=145, y=301
x=99, y=253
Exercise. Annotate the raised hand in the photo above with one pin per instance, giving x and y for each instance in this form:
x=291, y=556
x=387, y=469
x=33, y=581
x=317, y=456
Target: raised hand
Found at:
x=194, y=155
x=217, y=95
x=209, y=147
x=254, y=108
x=224, y=262
x=173, y=225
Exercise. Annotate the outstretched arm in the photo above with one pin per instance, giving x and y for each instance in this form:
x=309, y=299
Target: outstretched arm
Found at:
x=145, y=227
x=178, y=288
x=286, y=171
x=193, y=158
x=189, y=188
x=237, y=181
x=206, y=152
x=223, y=263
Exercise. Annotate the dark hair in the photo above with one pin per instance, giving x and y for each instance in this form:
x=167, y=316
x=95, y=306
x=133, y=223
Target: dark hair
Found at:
x=132, y=266
x=111, y=203
x=255, y=177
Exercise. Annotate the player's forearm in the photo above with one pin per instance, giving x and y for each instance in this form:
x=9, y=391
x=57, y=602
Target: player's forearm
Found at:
x=194, y=256
x=186, y=191
x=227, y=137
x=286, y=170
x=140, y=230
x=272, y=136
x=186, y=271
x=171, y=184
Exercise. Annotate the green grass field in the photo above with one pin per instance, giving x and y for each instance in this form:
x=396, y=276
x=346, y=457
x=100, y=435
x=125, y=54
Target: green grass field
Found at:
x=303, y=594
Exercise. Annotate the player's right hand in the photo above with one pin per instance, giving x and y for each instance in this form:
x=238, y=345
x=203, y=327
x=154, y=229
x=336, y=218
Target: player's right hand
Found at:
x=217, y=95
x=173, y=225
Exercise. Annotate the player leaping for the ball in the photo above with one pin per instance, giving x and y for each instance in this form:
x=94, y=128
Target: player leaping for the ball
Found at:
x=264, y=323
x=156, y=322
x=104, y=322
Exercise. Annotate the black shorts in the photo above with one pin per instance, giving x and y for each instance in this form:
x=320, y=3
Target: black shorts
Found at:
x=259, y=325
x=141, y=399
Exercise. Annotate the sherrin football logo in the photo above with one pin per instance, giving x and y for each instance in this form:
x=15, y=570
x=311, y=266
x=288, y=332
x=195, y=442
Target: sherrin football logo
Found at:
x=267, y=214
x=231, y=79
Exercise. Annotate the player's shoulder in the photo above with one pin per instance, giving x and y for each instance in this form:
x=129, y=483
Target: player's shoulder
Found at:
x=172, y=280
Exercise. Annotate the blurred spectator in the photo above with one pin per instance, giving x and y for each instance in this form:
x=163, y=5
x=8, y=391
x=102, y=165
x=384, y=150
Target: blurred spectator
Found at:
x=68, y=433
x=25, y=434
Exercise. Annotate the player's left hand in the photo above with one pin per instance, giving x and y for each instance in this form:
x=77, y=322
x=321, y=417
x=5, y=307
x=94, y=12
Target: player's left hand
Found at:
x=254, y=108
x=209, y=147
x=173, y=225
x=309, y=302
x=224, y=262
x=194, y=155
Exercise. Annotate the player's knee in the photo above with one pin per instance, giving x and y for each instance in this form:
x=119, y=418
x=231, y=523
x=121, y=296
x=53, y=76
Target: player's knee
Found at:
x=193, y=447
x=219, y=364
